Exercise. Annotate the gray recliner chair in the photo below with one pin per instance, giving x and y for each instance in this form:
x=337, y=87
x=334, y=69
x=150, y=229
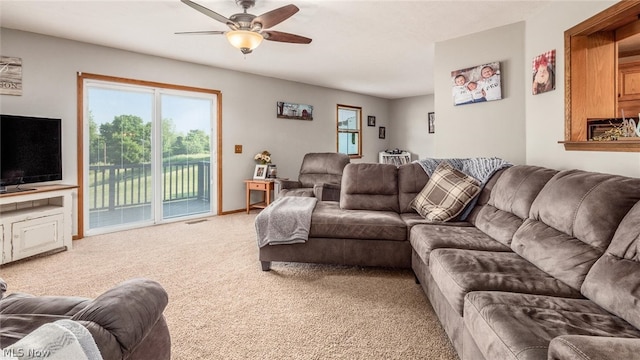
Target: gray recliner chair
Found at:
x=320, y=176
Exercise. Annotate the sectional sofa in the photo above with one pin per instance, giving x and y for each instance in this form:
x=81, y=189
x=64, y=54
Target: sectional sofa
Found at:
x=546, y=265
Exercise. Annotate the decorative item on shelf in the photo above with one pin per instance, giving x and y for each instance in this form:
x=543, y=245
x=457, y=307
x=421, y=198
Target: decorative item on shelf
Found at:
x=615, y=129
x=263, y=157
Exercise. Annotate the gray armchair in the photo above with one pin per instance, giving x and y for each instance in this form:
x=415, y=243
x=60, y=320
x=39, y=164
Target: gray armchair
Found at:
x=320, y=176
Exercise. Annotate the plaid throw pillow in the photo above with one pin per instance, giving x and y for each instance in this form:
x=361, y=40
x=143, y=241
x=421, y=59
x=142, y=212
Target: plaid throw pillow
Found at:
x=446, y=193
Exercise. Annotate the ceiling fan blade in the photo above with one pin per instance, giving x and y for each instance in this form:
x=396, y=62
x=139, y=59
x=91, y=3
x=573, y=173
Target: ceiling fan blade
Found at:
x=210, y=13
x=275, y=17
x=206, y=32
x=285, y=37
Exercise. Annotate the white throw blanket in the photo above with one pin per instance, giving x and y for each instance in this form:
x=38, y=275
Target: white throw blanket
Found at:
x=285, y=221
x=60, y=340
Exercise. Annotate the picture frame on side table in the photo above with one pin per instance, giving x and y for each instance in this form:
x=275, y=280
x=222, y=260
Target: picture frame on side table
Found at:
x=432, y=122
x=382, y=132
x=260, y=172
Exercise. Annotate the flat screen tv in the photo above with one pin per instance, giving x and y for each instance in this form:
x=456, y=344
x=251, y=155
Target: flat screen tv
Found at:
x=30, y=150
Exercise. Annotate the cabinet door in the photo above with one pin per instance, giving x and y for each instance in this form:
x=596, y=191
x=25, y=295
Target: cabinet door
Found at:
x=629, y=81
x=34, y=236
x=5, y=250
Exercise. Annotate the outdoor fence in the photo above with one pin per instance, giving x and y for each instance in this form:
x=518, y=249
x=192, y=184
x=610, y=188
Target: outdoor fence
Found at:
x=114, y=187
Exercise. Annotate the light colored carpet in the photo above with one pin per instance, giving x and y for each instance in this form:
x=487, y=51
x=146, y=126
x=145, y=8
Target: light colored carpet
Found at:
x=222, y=306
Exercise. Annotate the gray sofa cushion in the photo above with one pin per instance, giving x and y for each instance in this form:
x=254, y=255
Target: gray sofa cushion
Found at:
x=330, y=221
x=458, y=272
x=581, y=347
x=411, y=179
x=368, y=186
x=511, y=200
x=426, y=238
x=572, y=221
x=521, y=326
x=614, y=280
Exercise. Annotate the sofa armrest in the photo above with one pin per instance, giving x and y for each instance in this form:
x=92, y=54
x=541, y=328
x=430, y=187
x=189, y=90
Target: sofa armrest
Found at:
x=327, y=192
x=288, y=184
x=122, y=317
x=582, y=347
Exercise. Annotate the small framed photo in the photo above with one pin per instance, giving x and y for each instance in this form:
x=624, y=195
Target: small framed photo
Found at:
x=432, y=122
x=260, y=172
x=371, y=120
x=382, y=131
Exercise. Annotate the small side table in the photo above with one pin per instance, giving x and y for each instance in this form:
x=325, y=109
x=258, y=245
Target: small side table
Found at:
x=266, y=186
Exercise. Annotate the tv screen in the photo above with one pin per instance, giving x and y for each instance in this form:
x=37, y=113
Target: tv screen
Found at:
x=30, y=150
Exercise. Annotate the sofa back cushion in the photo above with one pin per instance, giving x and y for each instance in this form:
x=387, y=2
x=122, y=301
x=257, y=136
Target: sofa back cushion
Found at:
x=322, y=168
x=369, y=186
x=572, y=222
x=510, y=201
x=614, y=280
x=411, y=180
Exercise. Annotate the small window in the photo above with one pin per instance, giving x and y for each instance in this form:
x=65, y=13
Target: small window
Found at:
x=350, y=130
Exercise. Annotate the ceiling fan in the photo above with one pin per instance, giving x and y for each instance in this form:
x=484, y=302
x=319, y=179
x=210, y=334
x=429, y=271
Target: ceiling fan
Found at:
x=248, y=30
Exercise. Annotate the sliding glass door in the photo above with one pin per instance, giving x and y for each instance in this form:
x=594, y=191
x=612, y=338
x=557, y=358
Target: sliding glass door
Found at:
x=148, y=155
x=186, y=154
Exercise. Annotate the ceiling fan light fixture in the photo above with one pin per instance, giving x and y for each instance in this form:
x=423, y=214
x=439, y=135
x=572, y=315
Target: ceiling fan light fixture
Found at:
x=244, y=40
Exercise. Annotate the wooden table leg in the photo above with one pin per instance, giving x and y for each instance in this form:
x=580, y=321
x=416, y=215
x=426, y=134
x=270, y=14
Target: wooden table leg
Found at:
x=248, y=198
x=268, y=196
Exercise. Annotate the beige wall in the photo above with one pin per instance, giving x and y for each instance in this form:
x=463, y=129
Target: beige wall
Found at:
x=248, y=104
x=545, y=112
x=409, y=129
x=493, y=128
x=522, y=128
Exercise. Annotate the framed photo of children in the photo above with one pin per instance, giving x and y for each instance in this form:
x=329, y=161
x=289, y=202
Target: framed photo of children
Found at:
x=260, y=172
x=476, y=84
x=431, y=122
x=544, y=72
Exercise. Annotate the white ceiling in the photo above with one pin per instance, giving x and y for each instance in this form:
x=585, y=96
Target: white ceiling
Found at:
x=380, y=48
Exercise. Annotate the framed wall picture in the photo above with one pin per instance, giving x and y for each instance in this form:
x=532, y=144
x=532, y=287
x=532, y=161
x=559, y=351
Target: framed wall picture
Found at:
x=382, y=132
x=544, y=72
x=371, y=120
x=285, y=110
x=432, y=122
x=10, y=75
x=260, y=172
x=476, y=84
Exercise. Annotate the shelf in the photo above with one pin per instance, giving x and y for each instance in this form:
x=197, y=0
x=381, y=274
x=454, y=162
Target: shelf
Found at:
x=618, y=146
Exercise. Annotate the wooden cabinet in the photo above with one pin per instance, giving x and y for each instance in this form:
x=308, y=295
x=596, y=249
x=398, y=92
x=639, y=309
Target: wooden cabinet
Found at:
x=35, y=221
x=629, y=89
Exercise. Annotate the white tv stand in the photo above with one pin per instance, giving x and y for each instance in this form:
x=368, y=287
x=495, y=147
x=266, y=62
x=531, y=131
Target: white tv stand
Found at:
x=35, y=221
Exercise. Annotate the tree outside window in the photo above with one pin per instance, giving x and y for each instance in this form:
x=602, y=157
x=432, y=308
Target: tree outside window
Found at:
x=349, y=127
